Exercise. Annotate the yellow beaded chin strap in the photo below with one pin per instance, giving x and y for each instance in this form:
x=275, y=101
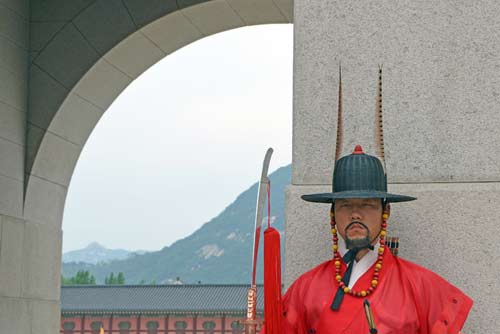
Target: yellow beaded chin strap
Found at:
x=337, y=258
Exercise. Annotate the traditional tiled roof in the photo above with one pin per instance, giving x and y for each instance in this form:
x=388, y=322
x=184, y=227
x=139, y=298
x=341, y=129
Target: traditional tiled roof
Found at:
x=157, y=299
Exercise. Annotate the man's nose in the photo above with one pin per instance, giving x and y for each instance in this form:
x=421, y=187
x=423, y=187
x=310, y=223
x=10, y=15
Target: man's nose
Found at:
x=355, y=214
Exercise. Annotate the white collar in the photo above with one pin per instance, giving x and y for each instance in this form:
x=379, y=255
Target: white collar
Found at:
x=361, y=266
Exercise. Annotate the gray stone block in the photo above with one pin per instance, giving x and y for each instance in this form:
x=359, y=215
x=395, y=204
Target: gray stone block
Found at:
x=258, y=11
x=213, y=16
x=57, y=10
x=12, y=123
x=13, y=26
x=45, y=317
x=155, y=9
x=104, y=24
x=286, y=7
x=13, y=89
x=307, y=232
x=76, y=119
x=55, y=159
x=21, y=7
x=11, y=256
x=44, y=201
x=13, y=315
x=13, y=166
x=451, y=229
x=45, y=97
x=34, y=136
x=41, y=33
x=102, y=84
x=13, y=57
x=440, y=99
x=67, y=57
x=42, y=262
x=11, y=197
x=172, y=32
x=135, y=54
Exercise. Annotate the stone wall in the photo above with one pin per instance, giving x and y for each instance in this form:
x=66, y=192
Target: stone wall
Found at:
x=29, y=290
x=441, y=64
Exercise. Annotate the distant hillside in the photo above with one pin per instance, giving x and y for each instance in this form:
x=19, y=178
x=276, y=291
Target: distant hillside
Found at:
x=95, y=253
x=218, y=252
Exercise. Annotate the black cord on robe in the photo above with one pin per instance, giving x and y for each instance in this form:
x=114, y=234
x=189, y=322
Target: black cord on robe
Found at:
x=348, y=258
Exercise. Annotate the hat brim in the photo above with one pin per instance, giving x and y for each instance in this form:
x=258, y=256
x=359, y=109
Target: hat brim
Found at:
x=331, y=197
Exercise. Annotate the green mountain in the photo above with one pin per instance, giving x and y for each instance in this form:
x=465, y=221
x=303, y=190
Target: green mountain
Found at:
x=218, y=252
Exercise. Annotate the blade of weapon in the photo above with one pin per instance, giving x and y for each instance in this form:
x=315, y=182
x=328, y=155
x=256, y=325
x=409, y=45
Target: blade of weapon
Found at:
x=259, y=211
x=251, y=322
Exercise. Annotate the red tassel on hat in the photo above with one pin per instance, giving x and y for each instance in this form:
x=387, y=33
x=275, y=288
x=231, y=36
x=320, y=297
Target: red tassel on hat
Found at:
x=273, y=308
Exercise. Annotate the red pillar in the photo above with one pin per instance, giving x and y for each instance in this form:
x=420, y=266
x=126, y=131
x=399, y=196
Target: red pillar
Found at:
x=110, y=329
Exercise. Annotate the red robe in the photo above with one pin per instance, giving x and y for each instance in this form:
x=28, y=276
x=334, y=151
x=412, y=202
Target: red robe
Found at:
x=409, y=299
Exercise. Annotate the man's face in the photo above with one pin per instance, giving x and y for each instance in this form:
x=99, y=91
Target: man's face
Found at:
x=358, y=219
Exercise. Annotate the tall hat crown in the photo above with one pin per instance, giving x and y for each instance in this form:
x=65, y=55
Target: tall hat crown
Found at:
x=359, y=175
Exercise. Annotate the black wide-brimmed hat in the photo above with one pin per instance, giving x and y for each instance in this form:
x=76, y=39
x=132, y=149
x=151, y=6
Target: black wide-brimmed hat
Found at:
x=358, y=175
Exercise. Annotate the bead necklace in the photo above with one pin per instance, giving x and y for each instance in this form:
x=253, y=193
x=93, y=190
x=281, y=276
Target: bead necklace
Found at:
x=337, y=258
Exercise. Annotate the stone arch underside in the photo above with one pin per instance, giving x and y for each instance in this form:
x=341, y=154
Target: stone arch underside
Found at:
x=85, y=53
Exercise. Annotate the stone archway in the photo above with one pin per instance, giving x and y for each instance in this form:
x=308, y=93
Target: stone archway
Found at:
x=82, y=56
x=79, y=73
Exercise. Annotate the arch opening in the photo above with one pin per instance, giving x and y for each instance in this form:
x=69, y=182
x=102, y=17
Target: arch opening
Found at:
x=84, y=66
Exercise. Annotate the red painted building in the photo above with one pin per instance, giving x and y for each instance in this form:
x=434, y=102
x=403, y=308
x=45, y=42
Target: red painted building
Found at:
x=155, y=309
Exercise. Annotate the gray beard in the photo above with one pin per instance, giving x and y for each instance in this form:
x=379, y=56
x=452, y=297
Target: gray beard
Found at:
x=358, y=243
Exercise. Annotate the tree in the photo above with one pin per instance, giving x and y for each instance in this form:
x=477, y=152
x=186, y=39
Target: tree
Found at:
x=82, y=277
x=112, y=279
x=120, y=279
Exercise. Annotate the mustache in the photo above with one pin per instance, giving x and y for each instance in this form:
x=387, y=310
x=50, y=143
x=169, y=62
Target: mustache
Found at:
x=356, y=222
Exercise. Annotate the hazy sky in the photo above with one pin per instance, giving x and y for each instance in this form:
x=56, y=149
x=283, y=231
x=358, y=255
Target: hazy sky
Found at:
x=183, y=140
